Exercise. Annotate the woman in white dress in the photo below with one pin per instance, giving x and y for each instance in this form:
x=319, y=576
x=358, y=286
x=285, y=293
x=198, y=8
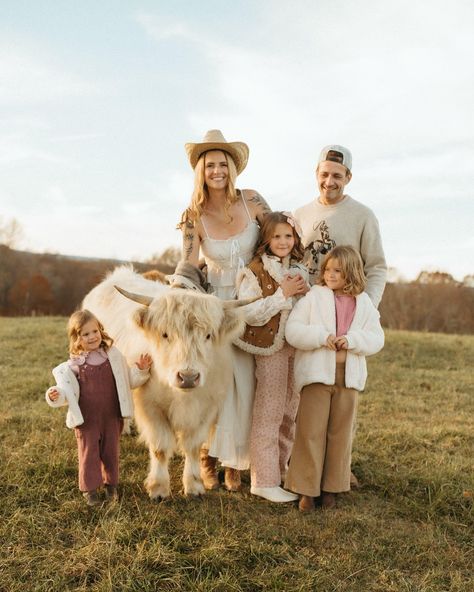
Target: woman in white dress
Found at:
x=222, y=223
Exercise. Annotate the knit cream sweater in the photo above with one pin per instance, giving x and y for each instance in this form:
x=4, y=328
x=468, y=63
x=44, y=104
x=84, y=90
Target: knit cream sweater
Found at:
x=346, y=223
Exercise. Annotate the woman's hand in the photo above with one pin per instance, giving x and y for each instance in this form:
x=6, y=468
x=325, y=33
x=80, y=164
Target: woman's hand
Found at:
x=145, y=362
x=53, y=394
x=292, y=286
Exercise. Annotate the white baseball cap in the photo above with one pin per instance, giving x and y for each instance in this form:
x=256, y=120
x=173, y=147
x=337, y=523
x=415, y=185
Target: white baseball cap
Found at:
x=339, y=154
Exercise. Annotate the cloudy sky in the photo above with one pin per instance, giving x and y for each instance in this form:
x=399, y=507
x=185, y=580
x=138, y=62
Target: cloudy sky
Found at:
x=97, y=99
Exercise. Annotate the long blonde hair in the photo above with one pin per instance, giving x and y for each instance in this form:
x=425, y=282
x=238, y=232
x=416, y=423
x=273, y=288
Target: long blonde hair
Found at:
x=352, y=268
x=201, y=193
x=74, y=327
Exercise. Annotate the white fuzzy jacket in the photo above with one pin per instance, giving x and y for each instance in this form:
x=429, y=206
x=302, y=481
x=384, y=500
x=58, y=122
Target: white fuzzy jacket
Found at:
x=69, y=392
x=258, y=313
x=314, y=318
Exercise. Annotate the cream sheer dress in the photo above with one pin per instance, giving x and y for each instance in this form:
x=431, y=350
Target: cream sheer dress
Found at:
x=224, y=258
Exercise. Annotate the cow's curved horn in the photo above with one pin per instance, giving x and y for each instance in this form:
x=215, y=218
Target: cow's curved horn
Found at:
x=146, y=300
x=242, y=302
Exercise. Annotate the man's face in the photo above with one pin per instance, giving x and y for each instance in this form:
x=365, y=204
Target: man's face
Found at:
x=332, y=178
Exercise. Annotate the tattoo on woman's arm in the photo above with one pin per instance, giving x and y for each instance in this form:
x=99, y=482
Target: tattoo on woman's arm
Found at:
x=188, y=244
x=259, y=201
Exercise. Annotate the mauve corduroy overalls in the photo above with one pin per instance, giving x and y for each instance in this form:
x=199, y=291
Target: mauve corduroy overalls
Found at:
x=99, y=436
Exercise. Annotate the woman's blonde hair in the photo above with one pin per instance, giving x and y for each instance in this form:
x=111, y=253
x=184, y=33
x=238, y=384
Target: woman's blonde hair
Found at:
x=201, y=194
x=351, y=266
x=74, y=327
x=267, y=230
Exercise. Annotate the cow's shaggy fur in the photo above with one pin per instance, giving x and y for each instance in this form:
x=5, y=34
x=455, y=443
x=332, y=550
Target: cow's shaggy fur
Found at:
x=189, y=337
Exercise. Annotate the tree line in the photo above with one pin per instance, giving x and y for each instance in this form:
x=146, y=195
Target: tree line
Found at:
x=47, y=284
x=433, y=307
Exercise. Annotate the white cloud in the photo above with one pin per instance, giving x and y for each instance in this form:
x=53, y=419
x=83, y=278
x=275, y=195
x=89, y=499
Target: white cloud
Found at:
x=28, y=78
x=35, y=86
x=138, y=207
x=23, y=148
x=55, y=195
x=76, y=137
x=161, y=28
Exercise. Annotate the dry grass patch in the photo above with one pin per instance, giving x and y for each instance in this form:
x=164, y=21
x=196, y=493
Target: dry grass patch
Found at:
x=408, y=529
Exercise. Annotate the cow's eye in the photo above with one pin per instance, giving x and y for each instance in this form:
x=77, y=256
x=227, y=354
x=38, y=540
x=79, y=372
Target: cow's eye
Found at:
x=165, y=335
x=208, y=336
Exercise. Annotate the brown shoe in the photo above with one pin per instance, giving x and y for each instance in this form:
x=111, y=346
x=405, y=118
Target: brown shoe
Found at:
x=328, y=500
x=354, y=481
x=232, y=479
x=208, y=470
x=306, y=503
x=111, y=493
x=91, y=497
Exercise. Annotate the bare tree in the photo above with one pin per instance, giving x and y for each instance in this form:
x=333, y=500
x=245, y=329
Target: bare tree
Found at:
x=468, y=280
x=169, y=257
x=394, y=276
x=11, y=233
x=435, y=277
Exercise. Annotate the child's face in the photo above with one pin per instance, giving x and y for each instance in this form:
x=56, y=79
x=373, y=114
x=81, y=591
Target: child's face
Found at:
x=282, y=241
x=333, y=276
x=90, y=336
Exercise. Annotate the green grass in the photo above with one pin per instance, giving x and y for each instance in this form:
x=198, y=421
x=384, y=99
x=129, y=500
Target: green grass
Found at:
x=409, y=528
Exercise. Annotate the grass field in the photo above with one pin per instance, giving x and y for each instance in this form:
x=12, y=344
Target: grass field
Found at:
x=409, y=528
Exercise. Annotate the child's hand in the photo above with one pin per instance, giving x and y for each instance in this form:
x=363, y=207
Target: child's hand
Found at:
x=303, y=287
x=291, y=286
x=341, y=342
x=145, y=362
x=53, y=394
x=331, y=342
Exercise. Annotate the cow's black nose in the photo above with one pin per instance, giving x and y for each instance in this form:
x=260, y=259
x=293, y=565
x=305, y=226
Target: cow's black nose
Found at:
x=188, y=379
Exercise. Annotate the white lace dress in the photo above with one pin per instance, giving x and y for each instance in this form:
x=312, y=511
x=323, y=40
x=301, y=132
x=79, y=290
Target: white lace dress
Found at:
x=224, y=259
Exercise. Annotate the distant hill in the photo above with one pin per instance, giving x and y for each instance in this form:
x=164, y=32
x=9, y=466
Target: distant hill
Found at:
x=34, y=283
x=45, y=284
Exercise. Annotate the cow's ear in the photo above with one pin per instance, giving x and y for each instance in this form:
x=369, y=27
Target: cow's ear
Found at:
x=140, y=316
x=232, y=325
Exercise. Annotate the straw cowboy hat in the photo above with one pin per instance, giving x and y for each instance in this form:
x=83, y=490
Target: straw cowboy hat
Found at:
x=214, y=140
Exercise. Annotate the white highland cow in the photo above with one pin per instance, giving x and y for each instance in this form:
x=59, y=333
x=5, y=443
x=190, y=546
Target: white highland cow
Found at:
x=189, y=336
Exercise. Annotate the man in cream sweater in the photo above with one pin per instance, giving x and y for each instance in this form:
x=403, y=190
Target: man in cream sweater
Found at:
x=334, y=218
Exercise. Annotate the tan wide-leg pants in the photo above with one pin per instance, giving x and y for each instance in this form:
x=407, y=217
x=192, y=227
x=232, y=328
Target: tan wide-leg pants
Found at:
x=321, y=456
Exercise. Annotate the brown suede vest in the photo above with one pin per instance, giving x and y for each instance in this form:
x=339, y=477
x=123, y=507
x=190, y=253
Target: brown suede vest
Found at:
x=262, y=336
